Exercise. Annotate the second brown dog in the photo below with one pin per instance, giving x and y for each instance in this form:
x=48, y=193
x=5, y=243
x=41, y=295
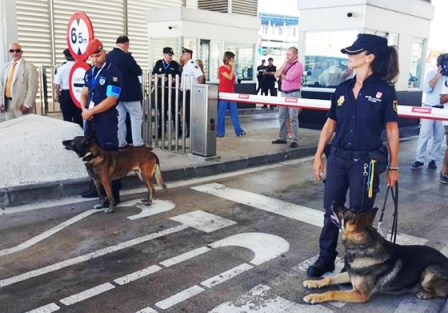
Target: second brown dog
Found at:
x=104, y=166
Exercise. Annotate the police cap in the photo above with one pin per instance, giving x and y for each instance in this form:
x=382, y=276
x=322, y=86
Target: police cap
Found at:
x=186, y=50
x=168, y=50
x=366, y=42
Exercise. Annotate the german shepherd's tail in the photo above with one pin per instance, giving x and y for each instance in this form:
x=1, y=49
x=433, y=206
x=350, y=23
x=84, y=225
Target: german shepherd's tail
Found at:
x=158, y=174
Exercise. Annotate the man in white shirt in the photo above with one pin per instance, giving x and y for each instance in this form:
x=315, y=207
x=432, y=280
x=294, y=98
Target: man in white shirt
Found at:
x=70, y=112
x=444, y=100
x=190, y=71
x=430, y=129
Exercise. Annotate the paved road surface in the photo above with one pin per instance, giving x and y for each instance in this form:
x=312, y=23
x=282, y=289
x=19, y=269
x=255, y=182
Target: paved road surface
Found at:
x=238, y=242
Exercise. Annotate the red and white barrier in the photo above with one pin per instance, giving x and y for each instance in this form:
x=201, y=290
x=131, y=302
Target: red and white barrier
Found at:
x=314, y=104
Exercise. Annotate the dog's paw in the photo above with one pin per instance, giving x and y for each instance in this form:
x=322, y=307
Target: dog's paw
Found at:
x=425, y=295
x=98, y=206
x=312, y=299
x=312, y=284
x=108, y=210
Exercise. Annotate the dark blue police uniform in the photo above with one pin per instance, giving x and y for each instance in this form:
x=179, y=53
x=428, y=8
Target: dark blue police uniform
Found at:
x=103, y=82
x=359, y=124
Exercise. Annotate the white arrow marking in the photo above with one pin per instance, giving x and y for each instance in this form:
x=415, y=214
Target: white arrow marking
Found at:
x=147, y=310
x=88, y=256
x=179, y=297
x=137, y=275
x=203, y=221
x=157, y=206
x=46, y=234
x=86, y=294
x=49, y=308
x=290, y=210
x=265, y=246
x=258, y=300
x=185, y=256
x=227, y=275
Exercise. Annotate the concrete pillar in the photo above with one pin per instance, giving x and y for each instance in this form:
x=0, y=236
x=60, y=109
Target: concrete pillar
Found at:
x=8, y=22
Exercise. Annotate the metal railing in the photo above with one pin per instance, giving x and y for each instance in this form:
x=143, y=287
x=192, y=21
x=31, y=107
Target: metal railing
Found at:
x=163, y=103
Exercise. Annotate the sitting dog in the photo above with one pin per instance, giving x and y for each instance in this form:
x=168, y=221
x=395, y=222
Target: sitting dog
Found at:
x=103, y=167
x=375, y=265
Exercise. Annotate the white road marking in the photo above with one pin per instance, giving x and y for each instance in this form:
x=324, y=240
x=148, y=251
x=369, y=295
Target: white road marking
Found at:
x=89, y=256
x=286, y=209
x=179, y=297
x=265, y=246
x=86, y=294
x=47, y=233
x=260, y=301
x=227, y=275
x=137, y=275
x=72, y=200
x=147, y=310
x=203, y=221
x=290, y=210
x=186, y=256
x=52, y=307
x=157, y=206
x=445, y=251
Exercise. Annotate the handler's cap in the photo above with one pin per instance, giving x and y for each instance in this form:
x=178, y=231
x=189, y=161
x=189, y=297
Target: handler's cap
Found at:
x=186, y=50
x=366, y=42
x=168, y=50
x=94, y=46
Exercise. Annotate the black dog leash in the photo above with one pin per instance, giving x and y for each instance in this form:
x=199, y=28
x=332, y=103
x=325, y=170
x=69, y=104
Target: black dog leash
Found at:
x=394, y=194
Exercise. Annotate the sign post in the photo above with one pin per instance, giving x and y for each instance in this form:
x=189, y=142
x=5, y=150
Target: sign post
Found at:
x=79, y=34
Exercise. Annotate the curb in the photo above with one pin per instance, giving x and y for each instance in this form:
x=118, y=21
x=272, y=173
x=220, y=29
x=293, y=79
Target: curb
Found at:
x=27, y=194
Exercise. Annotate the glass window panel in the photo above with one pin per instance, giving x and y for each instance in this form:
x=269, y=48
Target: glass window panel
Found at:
x=415, y=70
x=215, y=60
x=325, y=65
x=244, y=58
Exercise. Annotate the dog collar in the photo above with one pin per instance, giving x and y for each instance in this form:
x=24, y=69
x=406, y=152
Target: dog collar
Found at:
x=87, y=155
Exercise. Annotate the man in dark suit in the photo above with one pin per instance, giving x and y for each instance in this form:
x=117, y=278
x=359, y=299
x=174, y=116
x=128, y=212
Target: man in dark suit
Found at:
x=131, y=93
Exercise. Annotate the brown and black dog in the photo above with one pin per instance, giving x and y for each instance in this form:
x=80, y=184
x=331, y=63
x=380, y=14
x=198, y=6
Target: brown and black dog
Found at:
x=103, y=166
x=375, y=265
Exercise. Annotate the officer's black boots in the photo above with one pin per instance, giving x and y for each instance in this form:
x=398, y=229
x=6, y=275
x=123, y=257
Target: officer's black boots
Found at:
x=319, y=268
x=91, y=192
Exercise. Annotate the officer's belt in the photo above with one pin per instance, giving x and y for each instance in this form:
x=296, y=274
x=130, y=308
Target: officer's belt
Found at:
x=347, y=154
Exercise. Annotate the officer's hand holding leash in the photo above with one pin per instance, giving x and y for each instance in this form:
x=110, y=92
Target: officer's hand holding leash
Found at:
x=392, y=176
x=87, y=114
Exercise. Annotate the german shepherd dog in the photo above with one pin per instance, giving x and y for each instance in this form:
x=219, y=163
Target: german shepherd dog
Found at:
x=375, y=265
x=103, y=167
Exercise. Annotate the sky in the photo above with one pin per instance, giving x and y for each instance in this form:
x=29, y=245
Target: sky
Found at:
x=438, y=38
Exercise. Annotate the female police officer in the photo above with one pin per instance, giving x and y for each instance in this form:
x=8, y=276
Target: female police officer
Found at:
x=361, y=108
x=98, y=99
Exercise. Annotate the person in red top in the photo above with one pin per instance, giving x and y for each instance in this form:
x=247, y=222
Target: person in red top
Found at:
x=226, y=75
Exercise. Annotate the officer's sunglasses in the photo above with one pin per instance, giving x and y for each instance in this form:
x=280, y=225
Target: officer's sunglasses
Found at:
x=15, y=50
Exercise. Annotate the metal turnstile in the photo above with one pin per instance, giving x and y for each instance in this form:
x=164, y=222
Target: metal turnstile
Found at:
x=204, y=106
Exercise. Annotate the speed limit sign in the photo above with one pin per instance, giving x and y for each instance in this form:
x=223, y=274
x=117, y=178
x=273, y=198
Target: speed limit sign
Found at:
x=79, y=33
x=76, y=81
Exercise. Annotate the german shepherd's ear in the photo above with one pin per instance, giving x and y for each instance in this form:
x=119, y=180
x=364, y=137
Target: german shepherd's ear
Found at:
x=370, y=215
x=90, y=140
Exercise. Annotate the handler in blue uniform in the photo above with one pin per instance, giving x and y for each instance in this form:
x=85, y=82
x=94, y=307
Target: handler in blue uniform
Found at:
x=361, y=108
x=99, y=97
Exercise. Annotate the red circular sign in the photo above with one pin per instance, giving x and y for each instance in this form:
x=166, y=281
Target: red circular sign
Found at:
x=79, y=33
x=76, y=81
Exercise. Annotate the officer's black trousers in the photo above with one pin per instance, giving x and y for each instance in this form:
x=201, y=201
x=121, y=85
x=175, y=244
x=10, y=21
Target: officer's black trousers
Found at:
x=342, y=175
